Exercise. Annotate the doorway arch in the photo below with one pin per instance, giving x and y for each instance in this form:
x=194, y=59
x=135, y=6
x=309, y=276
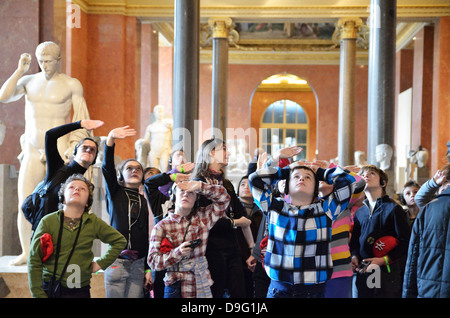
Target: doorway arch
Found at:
x=285, y=86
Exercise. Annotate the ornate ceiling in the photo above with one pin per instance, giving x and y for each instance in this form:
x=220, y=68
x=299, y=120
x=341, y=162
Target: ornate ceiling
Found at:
x=278, y=31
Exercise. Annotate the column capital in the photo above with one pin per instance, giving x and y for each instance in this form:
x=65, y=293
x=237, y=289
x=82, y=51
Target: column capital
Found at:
x=220, y=26
x=349, y=27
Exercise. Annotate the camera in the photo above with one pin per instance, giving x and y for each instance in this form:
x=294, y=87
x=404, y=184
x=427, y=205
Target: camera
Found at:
x=363, y=266
x=195, y=243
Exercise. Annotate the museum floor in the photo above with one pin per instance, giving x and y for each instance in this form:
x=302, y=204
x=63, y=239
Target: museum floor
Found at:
x=14, y=281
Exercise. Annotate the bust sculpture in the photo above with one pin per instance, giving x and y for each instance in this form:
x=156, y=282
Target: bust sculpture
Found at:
x=360, y=158
x=383, y=155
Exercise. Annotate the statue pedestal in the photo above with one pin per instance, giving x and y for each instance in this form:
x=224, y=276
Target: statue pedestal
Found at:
x=14, y=281
x=390, y=189
x=423, y=175
x=9, y=235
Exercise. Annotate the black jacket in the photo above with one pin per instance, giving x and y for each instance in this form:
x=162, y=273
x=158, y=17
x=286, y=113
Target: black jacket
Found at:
x=55, y=164
x=117, y=207
x=223, y=235
x=387, y=217
x=427, y=272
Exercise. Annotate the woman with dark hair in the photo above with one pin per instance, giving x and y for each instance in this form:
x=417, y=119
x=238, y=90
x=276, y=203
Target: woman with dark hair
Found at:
x=66, y=237
x=128, y=211
x=223, y=251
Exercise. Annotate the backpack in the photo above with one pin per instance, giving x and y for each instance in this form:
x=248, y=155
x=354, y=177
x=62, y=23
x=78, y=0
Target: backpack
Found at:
x=35, y=206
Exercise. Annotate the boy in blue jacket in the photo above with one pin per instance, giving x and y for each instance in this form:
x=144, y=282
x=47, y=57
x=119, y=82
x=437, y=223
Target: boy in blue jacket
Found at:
x=380, y=236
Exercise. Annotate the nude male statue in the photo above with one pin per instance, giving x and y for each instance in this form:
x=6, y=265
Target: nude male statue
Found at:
x=159, y=135
x=50, y=97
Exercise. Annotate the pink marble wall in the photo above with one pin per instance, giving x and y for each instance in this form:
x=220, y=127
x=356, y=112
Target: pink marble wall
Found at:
x=149, y=75
x=19, y=33
x=103, y=55
x=441, y=94
x=103, y=58
x=324, y=80
x=165, y=74
x=422, y=88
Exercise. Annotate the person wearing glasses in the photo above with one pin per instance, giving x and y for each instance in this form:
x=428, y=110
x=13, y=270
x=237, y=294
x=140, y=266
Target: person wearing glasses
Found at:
x=84, y=155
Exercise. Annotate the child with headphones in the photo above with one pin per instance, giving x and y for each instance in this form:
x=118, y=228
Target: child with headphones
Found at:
x=128, y=210
x=379, y=217
x=298, y=259
x=157, y=190
x=407, y=198
x=64, y=239
x=178, y=242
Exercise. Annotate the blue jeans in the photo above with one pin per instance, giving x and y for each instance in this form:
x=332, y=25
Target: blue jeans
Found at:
x=285, y=290
x=340, y=287
x=125, y=279
x=173, y=291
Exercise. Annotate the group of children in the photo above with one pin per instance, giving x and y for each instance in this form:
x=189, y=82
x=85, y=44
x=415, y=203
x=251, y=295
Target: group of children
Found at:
x=292, y=229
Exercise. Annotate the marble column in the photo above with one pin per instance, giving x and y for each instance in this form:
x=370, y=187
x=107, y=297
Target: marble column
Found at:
x=381, y=97
x=149, y=74
x=186, y=75
x=220, y=27
x=346, y=135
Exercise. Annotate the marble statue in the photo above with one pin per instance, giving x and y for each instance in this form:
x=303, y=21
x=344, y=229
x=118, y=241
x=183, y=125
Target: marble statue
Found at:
x=2, y=132
x=50, y=97
x=239, y=158
x=422, y=156
x=159, y=136
x=448, y=151
x=142, y=148
x=383, y=155
x=417, y=165
x=360, y=158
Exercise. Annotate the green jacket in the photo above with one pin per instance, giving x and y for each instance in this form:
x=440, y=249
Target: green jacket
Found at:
x=92, y=228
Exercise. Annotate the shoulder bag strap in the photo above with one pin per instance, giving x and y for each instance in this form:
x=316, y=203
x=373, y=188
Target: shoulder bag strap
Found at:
x=58, y=247
x=59, y=244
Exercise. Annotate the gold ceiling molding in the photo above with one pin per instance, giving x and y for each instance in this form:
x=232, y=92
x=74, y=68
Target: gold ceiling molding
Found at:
x=410, y=19
x=405, y=32
x=284, y=58
x=154, y=11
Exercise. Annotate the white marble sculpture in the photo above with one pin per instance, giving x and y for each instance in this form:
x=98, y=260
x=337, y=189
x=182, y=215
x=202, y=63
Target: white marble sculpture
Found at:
x=50, y=97
x=383, y=155
x=2, y=132
x=422, y=156
x=142, y=148
x=239, y=158
x=360, y=158
x=159, y=136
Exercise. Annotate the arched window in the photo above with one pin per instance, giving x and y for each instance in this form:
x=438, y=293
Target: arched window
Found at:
x=284, y=124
